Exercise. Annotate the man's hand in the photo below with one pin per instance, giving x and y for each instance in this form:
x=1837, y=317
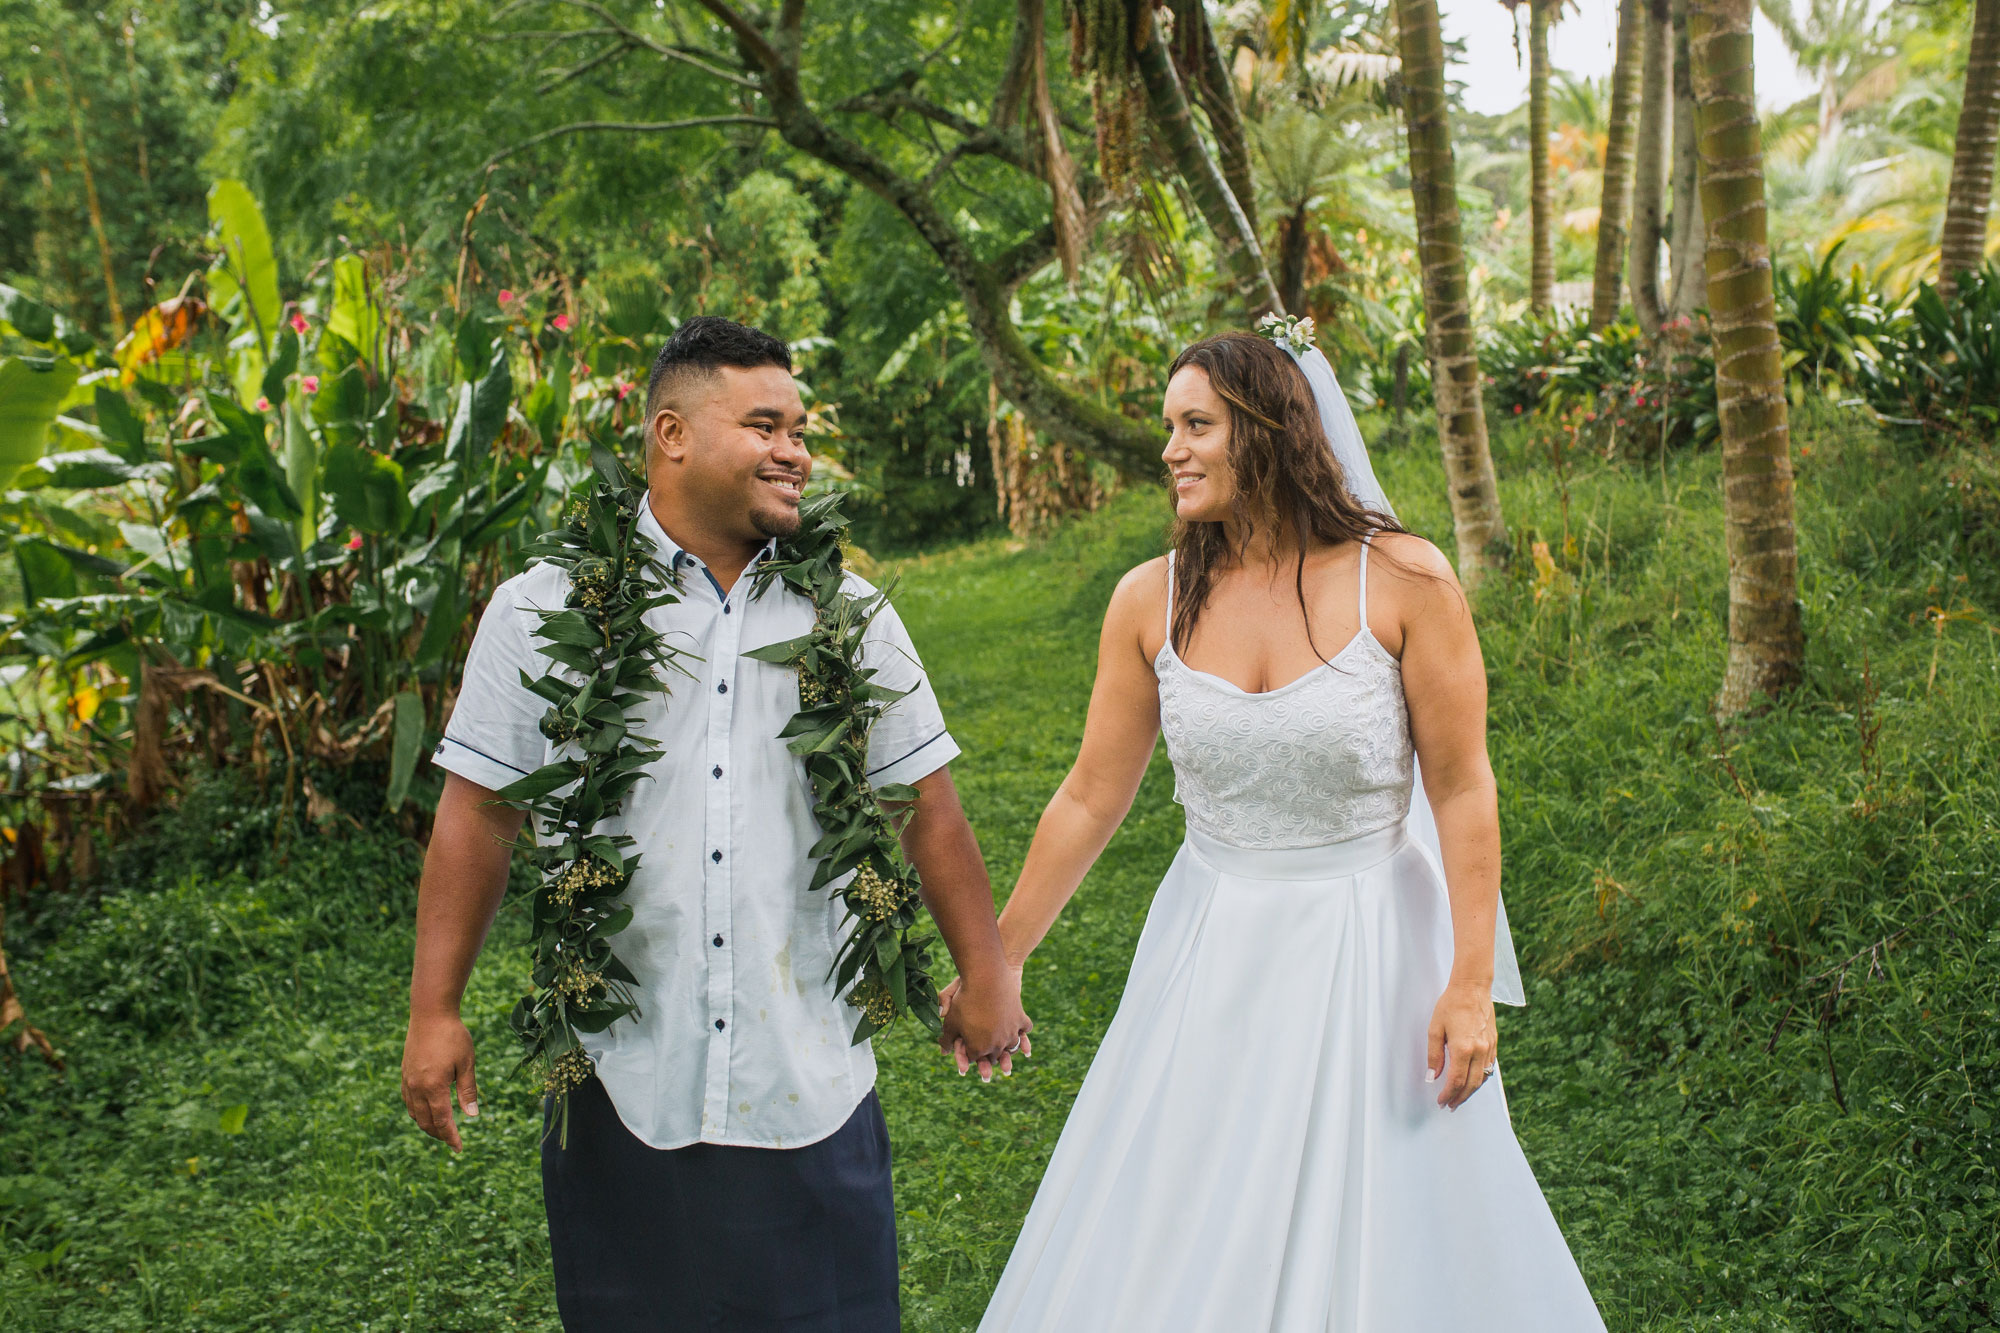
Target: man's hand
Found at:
x=436, y=1054
x=985, y=1024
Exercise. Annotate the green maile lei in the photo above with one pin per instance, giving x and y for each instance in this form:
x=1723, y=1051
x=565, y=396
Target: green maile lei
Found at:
x=614, y=661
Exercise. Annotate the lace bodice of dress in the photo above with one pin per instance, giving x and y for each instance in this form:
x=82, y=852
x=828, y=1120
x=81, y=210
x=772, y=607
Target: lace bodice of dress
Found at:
x=1322, y=759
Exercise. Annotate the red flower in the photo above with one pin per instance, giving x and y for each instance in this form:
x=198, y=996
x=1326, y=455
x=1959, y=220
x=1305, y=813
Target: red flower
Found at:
x=624, y=387
x=1517, y=409
x=310, y=384
x=505, y=296
x=354, y=542
x=561, y=323
x=298, y=322
x=263, y=404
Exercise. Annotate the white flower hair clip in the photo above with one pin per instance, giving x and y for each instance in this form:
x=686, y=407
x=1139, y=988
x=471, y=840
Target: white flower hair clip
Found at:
x=1293, y=333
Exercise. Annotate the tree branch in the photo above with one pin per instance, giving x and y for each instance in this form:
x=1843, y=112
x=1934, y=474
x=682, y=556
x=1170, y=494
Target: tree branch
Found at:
x=624, y=127
x=748, y=34
x=583, y=67
x=658, y=48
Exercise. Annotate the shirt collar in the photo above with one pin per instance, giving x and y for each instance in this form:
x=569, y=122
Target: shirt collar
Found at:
x=675, y=556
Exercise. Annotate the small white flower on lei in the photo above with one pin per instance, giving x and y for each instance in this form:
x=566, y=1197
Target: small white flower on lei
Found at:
x=1293, y=333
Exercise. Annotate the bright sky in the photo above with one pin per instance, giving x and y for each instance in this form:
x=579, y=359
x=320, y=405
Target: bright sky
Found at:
x=1582, y=44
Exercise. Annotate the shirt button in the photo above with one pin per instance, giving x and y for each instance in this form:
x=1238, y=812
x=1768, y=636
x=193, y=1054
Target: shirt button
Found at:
x=723, y=688
x=725, y=608
x=716, y=856
x=718, y=770
x=718, y=941
x=719, y=1025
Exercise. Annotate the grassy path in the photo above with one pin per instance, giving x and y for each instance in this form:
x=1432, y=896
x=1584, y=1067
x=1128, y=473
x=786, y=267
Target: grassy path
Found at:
x=227, y=1150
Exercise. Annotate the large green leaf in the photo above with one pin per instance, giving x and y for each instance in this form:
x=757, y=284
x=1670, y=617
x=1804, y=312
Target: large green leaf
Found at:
x=367, y=489
x=26, y=316
x=31, y=393
x=245, y=267
x=302, y=469
x=255, y=473
x=406, y=742
x=355, y=317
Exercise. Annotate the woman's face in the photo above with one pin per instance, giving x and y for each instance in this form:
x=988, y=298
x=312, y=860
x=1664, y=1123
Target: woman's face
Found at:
x=1197, y=452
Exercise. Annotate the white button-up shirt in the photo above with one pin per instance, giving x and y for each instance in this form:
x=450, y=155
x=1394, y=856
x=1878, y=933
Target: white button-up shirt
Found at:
x=739, y=1038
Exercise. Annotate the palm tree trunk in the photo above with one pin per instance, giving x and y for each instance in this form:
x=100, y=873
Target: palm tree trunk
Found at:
x=1217, y=94
x=1964, y=247
x=1687, y=239
x=1649, y=184
x=1766, y=635
x=1616, y=201
x=1541, y=211
x=1173, y=120
x=1468, y=463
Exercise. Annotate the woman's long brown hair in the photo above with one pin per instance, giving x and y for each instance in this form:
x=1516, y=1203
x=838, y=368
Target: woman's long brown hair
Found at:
x=1286, y=476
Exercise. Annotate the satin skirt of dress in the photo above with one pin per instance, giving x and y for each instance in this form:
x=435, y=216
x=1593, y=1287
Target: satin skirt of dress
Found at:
x=1255, y=1147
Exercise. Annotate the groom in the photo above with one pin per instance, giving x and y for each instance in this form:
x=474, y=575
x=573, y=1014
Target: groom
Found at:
x=727, y=1166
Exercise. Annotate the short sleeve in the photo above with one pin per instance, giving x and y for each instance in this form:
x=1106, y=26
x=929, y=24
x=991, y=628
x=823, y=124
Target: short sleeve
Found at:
x=909, y=740
x=494, y=735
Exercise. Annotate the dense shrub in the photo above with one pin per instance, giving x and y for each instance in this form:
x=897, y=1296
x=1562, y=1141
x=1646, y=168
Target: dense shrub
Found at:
x=1938, y=371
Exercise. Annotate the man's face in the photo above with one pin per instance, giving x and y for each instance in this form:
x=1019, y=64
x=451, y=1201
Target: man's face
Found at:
x=736, y=443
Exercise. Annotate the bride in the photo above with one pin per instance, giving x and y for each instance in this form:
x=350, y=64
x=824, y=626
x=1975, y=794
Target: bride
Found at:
x=1295, y=1121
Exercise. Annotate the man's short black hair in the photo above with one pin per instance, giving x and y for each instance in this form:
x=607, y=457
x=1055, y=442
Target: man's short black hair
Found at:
x=702, y=346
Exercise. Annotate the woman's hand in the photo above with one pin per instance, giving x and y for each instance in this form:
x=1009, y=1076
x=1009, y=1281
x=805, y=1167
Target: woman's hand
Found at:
x=956, y=1048
x=1464, y=1042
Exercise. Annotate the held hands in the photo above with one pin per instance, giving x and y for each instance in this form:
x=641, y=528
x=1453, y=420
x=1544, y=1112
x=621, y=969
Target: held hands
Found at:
x=436, y=1054
x=1463, y=1042
x=985, y=1024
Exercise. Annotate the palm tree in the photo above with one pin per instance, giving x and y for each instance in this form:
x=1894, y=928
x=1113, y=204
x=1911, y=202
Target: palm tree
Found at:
x=1304, y=157
x=1835, y=39
x=1468, y=463
x=1964, y=246
x=1766, y=634
x=1541, y=211
x=1687, y=234
x=1649, y=185
x=1612, y=212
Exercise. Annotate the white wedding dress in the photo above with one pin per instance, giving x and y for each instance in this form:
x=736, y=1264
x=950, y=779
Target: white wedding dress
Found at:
x=1255, y=1147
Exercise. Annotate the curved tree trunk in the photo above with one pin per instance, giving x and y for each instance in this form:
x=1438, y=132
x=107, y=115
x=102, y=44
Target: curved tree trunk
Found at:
x=1615, y=203
x=1964, y=246
x=1216, y=92
x=1468, y=463
x=1173, y=120
x=1541, y=210
x=983, y=288
x=1766, y=634
x=1649, y=181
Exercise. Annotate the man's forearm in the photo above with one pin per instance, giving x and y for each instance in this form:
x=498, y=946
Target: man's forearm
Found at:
x=941, y=844
x=464, y=878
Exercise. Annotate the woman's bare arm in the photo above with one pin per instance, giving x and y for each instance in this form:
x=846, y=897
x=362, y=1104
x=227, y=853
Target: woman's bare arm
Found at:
x=1444, y=681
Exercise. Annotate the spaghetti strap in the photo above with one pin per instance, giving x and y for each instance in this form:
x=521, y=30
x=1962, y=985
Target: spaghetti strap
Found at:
x=1170, y=599
x=1366, y=538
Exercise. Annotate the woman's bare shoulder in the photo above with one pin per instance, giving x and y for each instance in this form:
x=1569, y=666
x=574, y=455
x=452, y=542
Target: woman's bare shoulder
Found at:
x=1412, y=559
x=1139, y=604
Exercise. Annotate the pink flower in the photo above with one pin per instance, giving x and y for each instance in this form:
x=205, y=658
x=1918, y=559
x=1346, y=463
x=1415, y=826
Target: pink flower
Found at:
x=298, y=323
x=263, y=404
x=310, y=384
x=561, y=323
x=624, y=387
x=354, y=542
x=584, y=371
x=505, y=296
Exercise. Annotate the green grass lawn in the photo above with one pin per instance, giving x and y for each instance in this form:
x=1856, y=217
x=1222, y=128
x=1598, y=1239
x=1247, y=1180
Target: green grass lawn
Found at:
x=1738, y=1127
